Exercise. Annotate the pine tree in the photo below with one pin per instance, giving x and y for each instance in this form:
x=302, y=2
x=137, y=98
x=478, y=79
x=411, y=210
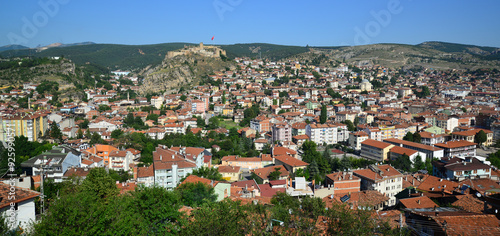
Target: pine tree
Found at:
x=323, y=117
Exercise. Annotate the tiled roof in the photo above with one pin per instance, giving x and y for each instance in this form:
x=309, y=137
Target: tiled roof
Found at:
x=229, y=169
x=80, y=172
x=22, y=194
x=418, y=202
x=436, y=184
x=263, y=173
x=375, y=143
x=412, y=144
x=339, y=176
x=144, y=172
x=291, y=161
x=469, y=203
x=386, y=171
x=455, y=144
x=402, y=150
x=363, y=198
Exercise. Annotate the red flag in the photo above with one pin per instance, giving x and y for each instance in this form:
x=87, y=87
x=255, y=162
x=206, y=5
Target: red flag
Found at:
x=213, y=37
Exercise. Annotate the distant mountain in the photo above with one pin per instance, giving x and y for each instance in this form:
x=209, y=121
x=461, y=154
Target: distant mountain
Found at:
x=130, y=57
x=12, y=47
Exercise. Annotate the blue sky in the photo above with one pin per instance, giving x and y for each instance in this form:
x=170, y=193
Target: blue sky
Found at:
x=316, y=23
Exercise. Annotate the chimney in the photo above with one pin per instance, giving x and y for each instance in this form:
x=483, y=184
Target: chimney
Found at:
x=173, y=157
x=418, y=202
x=413, y=182
x=135, y=172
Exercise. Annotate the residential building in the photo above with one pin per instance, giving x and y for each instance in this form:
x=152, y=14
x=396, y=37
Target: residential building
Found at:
x=120, y=160
x=356, y=138
x=459, y=169
x=382, y=178
x=230, y=173
x=429, y=138
x=102, y=151
x=172, y=164
x=468, y=135
x=290, y=163
x=21, y=206
x=53, y=163
x=397, y=152
x=281, y=132
x=430, y=151
x=248, y=163
x=327, y=133
x=31, y=126
x=459, y=148
x=264, y=173
x=375, y=150
x=343, y=182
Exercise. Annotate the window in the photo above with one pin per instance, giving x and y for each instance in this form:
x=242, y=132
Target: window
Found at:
x=458, y=172
x=474, y=171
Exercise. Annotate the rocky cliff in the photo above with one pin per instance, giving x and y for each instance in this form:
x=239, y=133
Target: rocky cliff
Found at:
x=181, y=70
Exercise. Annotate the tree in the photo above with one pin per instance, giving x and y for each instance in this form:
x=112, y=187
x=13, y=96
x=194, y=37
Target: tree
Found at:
x=208, y=173
x=183, y=97
x=417, y=138
x=402, y=163
x=200, y=122
x=213, y=122
x=104, y=108
x=100, y=183
x=55, y=132
x=323, y=117
x=79, y=133
x=275, y=175
x=418, y=164
x=194, y=194
x=480, y=137
x=408, y=137
x=350, y=125
x=116, y=133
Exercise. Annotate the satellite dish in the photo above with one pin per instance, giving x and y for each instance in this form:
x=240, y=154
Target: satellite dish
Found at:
x=478, y=194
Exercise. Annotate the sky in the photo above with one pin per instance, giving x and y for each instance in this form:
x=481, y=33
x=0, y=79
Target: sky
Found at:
x=314, y=23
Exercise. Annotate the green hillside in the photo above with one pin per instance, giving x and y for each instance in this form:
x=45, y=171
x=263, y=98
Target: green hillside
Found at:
x=270, y=51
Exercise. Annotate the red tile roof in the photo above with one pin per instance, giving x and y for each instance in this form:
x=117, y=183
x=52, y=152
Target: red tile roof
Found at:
x=455, y=144
x=22, y=194
x=418, y=202
x=291, y=161
x=375, y=143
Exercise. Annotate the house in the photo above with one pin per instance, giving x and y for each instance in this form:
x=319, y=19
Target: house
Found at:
x=383, y=178
x=468, y=135
x=18, y=211
x=281, y=132
x=54, y=162
x=458, y=148
x=102, y=151
x=356, y=138
x=264, y=173
x=76, y=172
x=145, y=175
x=290, y=163
x=230, y=173
x=120, y=160
x=375, y=150
x=342, y=182
x=247, y=163
x=459, y=169
x=429, y=138
x=170, y=166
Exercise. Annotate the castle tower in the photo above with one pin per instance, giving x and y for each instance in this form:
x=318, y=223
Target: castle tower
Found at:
x=201, y=45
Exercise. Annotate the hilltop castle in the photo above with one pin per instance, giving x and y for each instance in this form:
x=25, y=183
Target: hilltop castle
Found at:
x=207, y=51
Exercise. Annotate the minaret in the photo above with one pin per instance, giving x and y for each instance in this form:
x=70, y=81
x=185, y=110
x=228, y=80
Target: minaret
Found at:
x=128, y=96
